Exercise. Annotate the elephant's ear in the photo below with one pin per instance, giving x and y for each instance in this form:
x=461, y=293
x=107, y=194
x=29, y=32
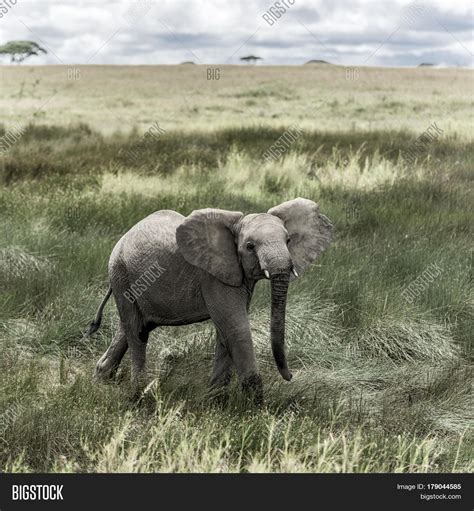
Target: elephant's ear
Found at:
x=310, y=231
x=206, y=239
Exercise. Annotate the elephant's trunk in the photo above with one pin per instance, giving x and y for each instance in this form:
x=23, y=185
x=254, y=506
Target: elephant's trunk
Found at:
x=279, y=284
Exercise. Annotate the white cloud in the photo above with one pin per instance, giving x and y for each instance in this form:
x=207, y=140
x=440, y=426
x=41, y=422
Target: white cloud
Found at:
x=395, y=33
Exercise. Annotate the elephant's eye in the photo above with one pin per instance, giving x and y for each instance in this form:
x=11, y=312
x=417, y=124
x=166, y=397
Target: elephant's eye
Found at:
x=250, y=246
x=288, y=240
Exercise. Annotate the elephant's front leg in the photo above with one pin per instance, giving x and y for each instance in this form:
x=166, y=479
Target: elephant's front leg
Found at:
x=227, y=307
x=243, y=356
x=222, y=370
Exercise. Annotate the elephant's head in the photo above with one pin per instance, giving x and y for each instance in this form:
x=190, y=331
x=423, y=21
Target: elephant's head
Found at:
x=279, y=245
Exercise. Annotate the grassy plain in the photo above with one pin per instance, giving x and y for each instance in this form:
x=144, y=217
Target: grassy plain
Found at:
x=381, y=383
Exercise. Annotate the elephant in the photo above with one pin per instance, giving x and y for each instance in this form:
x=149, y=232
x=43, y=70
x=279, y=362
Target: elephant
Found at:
x=171, y=270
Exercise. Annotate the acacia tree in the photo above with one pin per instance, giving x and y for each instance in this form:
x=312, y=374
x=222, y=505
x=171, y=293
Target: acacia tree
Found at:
x=21, y=50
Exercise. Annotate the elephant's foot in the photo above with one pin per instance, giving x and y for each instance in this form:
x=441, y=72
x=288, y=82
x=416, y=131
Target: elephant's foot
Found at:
x=138, y=384
x=109, y=362
x=252, y=388
x=106, y=368
x=218, y=394
x=220, y=381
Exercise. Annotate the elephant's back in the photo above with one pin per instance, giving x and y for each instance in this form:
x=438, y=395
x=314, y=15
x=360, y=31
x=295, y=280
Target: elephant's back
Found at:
x=160, y=225
x=150, y=241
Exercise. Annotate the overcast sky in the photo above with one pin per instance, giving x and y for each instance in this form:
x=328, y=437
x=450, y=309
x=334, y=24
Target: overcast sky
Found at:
x=346, y=32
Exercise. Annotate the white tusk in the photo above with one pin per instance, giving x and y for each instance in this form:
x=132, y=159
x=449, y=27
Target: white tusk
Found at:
x=295, y=273
x=267, y=275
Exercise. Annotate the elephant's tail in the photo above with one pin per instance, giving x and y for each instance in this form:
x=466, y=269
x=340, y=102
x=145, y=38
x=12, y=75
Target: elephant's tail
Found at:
x=95, y=325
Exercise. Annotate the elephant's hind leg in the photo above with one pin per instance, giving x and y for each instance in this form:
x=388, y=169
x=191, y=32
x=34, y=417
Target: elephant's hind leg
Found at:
x=108, y=363
x=138, y=343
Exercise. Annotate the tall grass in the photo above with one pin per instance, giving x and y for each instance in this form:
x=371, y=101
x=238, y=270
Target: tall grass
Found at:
x=380, y=384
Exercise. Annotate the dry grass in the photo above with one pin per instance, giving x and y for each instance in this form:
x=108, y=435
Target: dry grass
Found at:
x=111, y=98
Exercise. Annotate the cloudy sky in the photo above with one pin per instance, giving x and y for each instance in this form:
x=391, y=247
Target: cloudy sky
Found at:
x=346, y=32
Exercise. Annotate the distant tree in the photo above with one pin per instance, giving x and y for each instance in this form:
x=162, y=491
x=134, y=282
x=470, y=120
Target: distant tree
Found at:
x=425, y=64
x=21, y=50
x=250, y=59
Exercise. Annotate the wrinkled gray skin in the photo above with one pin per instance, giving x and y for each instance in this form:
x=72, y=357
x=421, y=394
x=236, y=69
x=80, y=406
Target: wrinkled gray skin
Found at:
x=210, y=262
